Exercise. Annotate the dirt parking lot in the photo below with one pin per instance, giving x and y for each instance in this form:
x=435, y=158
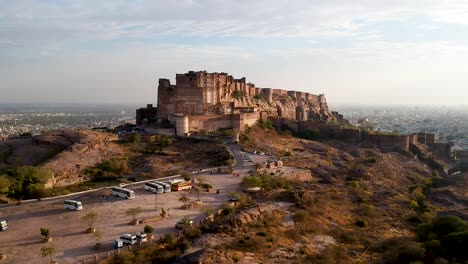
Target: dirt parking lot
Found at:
x=22, y=241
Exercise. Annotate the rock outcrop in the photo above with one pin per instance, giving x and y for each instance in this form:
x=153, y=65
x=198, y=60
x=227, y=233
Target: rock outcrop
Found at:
x=65, y=152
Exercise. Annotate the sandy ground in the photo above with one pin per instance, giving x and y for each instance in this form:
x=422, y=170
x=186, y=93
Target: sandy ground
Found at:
x=22, y=241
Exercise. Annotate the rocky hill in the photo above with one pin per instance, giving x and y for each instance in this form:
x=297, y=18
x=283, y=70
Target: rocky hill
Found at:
x=65, y=152
x=359, y=206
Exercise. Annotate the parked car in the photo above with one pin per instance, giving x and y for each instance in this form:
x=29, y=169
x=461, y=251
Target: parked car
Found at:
x=233, y=197
x=184, y=223
x=3, y=225
x=141, y=237
x=118, y=243
x=128, y=239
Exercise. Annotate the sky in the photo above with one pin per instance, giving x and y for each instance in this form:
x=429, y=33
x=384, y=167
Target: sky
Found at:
x=355, y=52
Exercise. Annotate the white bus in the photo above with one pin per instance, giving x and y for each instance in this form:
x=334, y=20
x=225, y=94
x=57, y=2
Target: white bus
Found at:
x=154, y=187
x=73, y=205
x=123, y=192
x=166, y=186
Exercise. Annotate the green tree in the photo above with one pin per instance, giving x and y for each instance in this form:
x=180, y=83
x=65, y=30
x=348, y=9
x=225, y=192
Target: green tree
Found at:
x=133, y=212
x=134, y=138
x=445, y=236
x=89, y=220
x=28, y=181
x=97, y=235
x=108, y=169
x=48, y=251
x=454, y=246
x=148, y=229
x=4, y=184
x=209, y=211
x=252, y=181
x=168, y=239
x=163, y=213
x=184, y=199
x=45, y=232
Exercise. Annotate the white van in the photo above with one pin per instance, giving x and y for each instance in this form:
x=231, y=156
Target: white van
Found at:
x=73, y=205
x=128, y=239
x=141, y=237
x=3, y=225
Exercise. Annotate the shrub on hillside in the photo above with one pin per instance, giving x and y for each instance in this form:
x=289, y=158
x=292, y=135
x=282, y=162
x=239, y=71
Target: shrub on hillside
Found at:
x=446, y=237
x=27, y=182
x=108, y=169
x=134, y=138
x=265, y=181
x=361, y=223
x=265, y=124
x=405, y=252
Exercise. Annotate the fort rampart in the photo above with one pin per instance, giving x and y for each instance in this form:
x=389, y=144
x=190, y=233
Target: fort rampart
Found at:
x=384, y=141
x=215, y=101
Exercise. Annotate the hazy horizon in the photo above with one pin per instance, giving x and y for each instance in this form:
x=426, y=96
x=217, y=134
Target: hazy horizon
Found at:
x=331, y=106
x=359, y=52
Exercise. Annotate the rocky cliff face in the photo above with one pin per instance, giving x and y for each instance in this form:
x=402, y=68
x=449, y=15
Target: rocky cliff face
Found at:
x=290, y=106
x=65, y=152
x=82, y=149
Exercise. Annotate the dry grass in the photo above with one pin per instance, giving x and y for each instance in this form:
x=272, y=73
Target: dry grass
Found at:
x=355, y=214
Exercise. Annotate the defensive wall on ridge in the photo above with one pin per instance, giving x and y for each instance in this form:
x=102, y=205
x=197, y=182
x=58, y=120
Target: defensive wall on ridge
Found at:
x=385, y=142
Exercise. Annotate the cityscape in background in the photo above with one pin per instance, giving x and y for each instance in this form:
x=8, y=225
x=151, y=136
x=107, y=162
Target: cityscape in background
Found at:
x=33, y=119
x=449, y=123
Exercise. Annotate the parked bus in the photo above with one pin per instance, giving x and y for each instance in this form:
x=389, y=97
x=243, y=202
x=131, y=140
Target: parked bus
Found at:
x=73, y=205
x=180, y=186
x=123, y=192
x=166, y=186
x=154, y=187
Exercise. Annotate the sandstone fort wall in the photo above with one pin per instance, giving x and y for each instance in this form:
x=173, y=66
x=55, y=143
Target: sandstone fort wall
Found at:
x=385, y=142
x=217, y=101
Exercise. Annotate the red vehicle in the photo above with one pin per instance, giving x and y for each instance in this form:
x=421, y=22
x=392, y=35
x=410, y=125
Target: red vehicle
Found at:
x=180, y=186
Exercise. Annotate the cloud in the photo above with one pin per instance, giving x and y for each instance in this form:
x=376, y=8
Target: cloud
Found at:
x=115, y=19
x=84, y=48
x=38, y=23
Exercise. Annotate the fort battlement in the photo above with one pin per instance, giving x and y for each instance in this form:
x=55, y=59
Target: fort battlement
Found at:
x=216, y=94
x=194, y=92
x=384, y=141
